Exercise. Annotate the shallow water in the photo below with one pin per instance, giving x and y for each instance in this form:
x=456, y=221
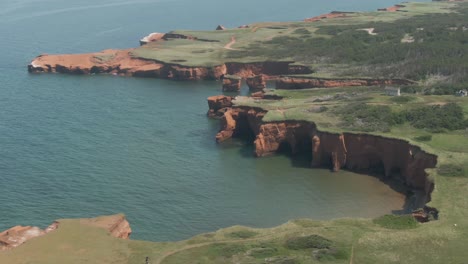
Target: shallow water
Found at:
x=81, y=146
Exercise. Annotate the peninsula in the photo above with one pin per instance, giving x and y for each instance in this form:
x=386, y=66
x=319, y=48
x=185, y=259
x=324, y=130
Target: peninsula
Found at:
x=381, y=93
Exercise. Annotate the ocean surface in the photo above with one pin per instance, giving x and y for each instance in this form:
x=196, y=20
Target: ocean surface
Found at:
x=83, y=146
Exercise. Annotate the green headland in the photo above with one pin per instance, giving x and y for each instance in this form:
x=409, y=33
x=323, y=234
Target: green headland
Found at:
x=423, y=42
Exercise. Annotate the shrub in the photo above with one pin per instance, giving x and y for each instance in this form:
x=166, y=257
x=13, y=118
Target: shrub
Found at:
x=305, y=242
x=396, y=221
x=301, y=31
x=242, y=234
x=402, y=99
x=369, y=118
x=437, y=118
x=228, y=250
x=263, y=252
x=423, y=138
x=451, y=170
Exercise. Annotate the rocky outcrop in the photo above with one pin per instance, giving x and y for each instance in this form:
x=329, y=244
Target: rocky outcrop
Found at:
x=220, y=27
x=289, y=83
x=240, y=122
x=394, y=8
x=17, y=235
x=231, y=83
x=121, y=62
x=218, y=105
x=117, y=225
x=391, y=158
x=272, y=68
x=334, y=14
x=256, y=83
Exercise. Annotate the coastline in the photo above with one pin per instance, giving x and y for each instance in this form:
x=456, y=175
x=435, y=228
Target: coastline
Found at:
x=395, y=159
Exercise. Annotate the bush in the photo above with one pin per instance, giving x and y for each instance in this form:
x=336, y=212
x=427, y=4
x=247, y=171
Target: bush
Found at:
x=402, y=99
x=396, y=221
x=263, y=252
x=370, y=118
x=242, y=234
x=301, y=31
x=423, y=138
x=451, y=170
x=228, y=250
x=305, y=242
x=437, y=118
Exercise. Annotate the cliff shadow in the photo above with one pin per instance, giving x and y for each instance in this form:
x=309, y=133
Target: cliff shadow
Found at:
x=300, y=155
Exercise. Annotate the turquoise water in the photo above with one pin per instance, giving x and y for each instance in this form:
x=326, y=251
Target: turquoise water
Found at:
x=82, y=146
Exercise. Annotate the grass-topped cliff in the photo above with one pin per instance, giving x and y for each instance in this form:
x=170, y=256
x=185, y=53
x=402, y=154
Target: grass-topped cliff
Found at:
x=419, y=41
x=426, y=42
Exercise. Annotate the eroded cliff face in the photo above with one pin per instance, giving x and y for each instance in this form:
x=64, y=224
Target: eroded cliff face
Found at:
x=116, y=225
x=256, y=83
x=240, y=122
x=393, y=159
x=218, y=105
x=18, y=235
x=289, y=83
x=231, y=84
x=121, y=62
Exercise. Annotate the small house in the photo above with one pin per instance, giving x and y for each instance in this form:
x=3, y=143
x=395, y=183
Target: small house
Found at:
x=462, y=93
x=392, y=91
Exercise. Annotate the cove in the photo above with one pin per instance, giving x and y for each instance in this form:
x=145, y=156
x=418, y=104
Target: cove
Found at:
x=81, y=146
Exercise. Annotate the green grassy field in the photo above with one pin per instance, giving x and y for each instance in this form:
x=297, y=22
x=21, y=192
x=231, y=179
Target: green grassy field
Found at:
x=338, y=47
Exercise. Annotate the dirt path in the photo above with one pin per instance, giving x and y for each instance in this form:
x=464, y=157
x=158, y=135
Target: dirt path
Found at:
x=229, y=45
x=170, y=253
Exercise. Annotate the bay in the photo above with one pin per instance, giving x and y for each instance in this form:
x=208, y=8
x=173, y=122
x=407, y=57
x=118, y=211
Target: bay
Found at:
x=82, y=146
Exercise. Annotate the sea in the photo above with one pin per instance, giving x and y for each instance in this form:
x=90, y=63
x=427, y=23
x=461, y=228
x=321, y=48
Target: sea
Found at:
x=84, y=146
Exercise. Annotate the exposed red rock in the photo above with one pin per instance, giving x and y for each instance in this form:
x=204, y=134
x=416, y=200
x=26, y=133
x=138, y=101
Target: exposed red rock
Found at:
x=17, y=235
x=289, y=83
x=258, y=95
x=228, y=123
x=256, y=83
x=391, y=9
x=117, y=225
x=334, y=14
x=396, y=158
x=218, y=105
x=120, y=62
x=239, y=121
x=271, y=68
x=231, y=83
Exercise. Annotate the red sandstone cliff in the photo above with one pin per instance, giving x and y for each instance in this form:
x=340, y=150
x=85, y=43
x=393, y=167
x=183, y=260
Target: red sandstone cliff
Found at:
x=117, y=225
x=231, y=83
x=256, y=83
x=304, y=83
x=397, y=159
x=121, y=62
x=218, y=105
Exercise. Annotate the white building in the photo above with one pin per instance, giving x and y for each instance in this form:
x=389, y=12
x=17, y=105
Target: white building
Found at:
x=462, y=93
